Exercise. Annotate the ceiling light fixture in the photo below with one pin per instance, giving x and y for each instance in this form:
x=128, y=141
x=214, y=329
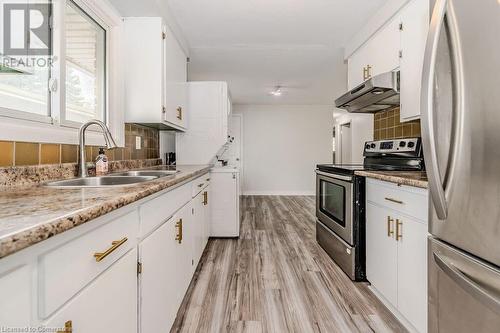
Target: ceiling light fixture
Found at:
x=277, y=91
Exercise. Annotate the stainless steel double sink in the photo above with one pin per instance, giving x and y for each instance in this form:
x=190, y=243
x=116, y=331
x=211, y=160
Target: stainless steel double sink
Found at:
x=116, y=179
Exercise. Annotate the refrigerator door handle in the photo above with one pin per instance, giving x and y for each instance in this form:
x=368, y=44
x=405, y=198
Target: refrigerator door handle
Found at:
x=474, y=288
x=443, y=11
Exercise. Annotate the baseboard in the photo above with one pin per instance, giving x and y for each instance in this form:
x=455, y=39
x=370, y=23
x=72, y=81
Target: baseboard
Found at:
x=283, y=193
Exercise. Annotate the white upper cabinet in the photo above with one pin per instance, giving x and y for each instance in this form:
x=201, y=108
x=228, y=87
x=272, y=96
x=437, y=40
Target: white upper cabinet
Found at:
x=414, y=29
x=155, y=74
x=400, y=43
x=378, y=55
x=209, y=108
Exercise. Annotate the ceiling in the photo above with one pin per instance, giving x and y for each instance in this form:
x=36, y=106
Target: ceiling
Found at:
x=256, y=45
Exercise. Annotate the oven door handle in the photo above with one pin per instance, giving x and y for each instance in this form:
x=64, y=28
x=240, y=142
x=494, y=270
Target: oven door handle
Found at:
x=334, y=176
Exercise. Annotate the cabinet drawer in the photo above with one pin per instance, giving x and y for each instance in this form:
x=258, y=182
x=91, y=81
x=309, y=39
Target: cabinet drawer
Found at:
x=408, y=200
x=199, y=184
x=65, y=270
x=156, y=211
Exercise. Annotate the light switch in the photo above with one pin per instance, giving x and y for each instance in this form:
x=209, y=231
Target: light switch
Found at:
x=137, y=142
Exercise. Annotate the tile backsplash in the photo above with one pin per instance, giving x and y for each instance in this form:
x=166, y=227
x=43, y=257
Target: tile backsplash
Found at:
x=387, y=126
x=30, y=153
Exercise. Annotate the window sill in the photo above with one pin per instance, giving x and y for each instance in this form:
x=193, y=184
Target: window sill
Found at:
x=29, y=131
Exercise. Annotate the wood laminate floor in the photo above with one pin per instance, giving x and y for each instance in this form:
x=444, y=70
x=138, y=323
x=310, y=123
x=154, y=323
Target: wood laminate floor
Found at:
x=276, y=278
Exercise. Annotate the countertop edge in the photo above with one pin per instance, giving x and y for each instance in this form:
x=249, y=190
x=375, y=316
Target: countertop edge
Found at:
x=38, y=233
x=396, y=178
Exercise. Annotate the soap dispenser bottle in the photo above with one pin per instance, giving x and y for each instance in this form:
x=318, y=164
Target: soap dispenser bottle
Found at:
x=101, y=163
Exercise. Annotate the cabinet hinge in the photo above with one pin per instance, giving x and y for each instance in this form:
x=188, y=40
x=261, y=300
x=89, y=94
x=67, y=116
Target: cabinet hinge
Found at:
x=139, y=268
x=192, y=211
x=163, y=109
x=163, y=35
x=401, y=26
x=400, y=54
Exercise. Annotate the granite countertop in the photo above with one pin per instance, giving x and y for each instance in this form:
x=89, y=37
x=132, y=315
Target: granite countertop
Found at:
x=410, y=178
x=32, y=214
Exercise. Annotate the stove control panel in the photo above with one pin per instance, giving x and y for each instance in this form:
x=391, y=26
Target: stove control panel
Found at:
x=394, y=146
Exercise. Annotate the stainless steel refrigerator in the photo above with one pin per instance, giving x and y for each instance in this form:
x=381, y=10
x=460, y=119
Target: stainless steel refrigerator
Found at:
x=461, y=137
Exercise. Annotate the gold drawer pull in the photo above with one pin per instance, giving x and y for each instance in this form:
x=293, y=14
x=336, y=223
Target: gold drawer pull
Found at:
x=179, y=113
x=208, y=179
x=205, y=198
x=395, y=201
x=68, y=327
x=399, y=228
x=390, y=230
x=114, y=245
x=178, y=226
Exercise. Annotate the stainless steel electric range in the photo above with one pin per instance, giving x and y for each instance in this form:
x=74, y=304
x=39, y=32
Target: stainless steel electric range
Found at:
x=340, y=200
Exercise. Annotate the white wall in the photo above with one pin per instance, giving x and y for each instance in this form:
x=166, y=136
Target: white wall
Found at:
x=282, y=145
x=361, y=131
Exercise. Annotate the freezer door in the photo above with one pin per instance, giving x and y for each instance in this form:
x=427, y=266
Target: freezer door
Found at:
x=464, y=293
x=461, y=125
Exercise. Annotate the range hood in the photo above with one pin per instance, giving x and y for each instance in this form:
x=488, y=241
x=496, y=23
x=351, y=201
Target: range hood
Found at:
x=379, y=93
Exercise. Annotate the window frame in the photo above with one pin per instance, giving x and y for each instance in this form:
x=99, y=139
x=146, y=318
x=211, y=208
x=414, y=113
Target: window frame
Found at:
x=18, y=125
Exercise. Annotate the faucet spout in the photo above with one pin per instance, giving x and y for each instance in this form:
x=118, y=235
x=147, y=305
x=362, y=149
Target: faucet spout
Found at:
x=108, y=138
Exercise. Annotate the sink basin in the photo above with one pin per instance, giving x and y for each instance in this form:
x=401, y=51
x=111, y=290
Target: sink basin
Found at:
x=105, y=181
x=148, y=173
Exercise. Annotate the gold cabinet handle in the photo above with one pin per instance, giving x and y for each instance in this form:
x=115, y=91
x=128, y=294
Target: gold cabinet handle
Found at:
x=390, y=230
x=178, y=226
x=179, y=113
x=399, y=229
x=205, y=198
x=114, y=245
x=395, y=201
x=208, y=179
x=68, y=327
x=200, y=185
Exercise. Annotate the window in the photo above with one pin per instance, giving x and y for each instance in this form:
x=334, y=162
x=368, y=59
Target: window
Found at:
x=85, y=66
x=77, y=84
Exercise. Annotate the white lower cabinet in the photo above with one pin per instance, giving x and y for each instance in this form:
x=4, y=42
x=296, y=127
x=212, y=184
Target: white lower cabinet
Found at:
x=225, y=203
x=15, y=288
x=396, y=250
x=165, y=273
x=108, y=304
x=201, y=215
x=381, y=253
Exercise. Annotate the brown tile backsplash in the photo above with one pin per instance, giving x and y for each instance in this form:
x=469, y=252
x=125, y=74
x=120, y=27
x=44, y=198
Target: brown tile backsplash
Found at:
x=387, y=126
x=29, y=153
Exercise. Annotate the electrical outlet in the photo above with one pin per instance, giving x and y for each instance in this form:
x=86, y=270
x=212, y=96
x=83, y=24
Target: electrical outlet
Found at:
x=137, y=142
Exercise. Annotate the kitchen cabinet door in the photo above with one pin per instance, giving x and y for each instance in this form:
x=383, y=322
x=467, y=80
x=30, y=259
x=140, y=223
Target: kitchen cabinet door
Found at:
x=175, y=81
x=199, y=227
x=356, y=65
x=166, y=259
x=158, y=290
x=15, y=302
x=384, y=49
x=108, y=304
x=225, y=218
x=412, y=272
x=207, y=216
x=381, y=252
x=415, y=26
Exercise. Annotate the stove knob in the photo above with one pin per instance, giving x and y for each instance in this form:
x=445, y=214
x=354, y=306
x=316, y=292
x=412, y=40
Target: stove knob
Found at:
x=367, y=147
x=402, y=144
x=372, y=146
x=411, y=144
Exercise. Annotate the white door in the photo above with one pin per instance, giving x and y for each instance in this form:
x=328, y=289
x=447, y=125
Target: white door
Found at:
x=224, y=205
x=207, y=217
x=381, y=252
x=345, y=143
x=412, y=272
x=198, y=220
x=159, y=297
x=109, y=304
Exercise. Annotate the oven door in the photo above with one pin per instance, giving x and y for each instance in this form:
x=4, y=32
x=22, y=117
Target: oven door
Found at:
x=334, y=203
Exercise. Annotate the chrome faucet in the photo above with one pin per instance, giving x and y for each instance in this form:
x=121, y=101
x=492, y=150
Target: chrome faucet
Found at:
x=110, y=143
